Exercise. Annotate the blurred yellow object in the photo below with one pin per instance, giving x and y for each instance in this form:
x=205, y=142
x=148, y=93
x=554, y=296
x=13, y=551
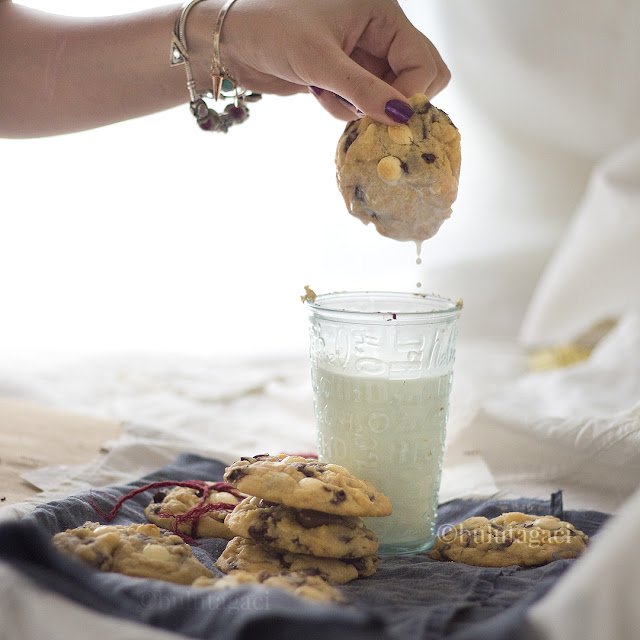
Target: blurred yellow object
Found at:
x=565, y=355
x=556, y=357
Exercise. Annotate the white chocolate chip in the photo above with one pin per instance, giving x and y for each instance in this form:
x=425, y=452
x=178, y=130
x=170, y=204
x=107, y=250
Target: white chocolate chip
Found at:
x=310, y=484
x=547, y=522
x=103, y=528
x=390, y=169
x=400, y=134
x=335, y=468
x=107, y=541
x=156, y=552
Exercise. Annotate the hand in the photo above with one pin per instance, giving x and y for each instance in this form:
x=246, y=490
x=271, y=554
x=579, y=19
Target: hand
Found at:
x=365, y=51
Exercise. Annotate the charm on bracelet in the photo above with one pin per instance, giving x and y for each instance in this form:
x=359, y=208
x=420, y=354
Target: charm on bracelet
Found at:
x=224, y=87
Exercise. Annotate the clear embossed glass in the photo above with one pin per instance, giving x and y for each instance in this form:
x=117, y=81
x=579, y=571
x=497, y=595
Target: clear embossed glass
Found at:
x=381, y=370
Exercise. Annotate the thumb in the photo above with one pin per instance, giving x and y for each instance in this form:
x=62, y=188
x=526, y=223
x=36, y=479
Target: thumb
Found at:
x=365, y=91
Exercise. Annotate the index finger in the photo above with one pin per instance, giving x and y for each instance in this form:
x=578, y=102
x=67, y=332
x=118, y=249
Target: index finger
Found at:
x=416, y=62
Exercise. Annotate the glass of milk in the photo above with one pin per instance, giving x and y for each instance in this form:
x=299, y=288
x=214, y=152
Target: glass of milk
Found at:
x=381, y=369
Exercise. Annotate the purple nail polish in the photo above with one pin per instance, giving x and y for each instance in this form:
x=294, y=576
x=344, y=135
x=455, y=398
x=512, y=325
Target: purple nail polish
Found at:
x=317, y=91
x=343, y=100
x=398, y=111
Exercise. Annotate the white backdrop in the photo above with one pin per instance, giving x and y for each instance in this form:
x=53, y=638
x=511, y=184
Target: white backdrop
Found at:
x=151, y=235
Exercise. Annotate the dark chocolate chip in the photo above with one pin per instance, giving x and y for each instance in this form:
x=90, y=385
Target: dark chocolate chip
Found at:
x=350, y=139
x=350, y=125
x=359, y=563
x=311, y=519
x=428, y=157
x=405, y=167
x=304, y=468
x=159, y=496
x=423, y=108
x=259, y=532
x=425, y=130
x=338, y=497
x=236, y=474
x=358, y=193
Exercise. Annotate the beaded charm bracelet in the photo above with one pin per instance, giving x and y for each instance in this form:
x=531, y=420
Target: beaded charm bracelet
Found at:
x=224, y=87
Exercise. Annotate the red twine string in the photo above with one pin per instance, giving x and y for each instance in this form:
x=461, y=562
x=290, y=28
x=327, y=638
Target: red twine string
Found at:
x=191, y=515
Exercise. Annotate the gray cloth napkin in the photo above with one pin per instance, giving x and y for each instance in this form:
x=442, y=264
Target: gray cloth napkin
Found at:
x=410, y=597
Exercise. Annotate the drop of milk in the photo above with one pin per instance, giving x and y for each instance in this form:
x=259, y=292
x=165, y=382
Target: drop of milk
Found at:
x=418, y=260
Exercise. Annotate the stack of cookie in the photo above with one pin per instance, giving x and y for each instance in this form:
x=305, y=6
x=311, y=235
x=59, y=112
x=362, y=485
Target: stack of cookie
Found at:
x=302, y=516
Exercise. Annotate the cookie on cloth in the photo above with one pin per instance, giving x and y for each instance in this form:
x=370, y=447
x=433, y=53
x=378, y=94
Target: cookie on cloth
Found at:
x=302, y=530
x=139, y=550
x=403, y=179
x=510, y=539
x=306, y=483
x=169, y=505
x=243, y=554
x=300, y=584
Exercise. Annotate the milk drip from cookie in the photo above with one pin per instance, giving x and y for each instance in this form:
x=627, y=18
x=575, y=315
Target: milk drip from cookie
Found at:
x=299, y=517
x=403, y=179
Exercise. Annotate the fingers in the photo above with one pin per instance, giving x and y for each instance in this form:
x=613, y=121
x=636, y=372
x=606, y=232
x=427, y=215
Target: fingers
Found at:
x=417, y=64
x=390, y=62
x=335, y=105
x=365, y=91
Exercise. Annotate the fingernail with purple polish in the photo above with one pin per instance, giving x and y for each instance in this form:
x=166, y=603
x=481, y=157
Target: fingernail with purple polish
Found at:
x=398, y=111
x=317, y=91
x=343, y=100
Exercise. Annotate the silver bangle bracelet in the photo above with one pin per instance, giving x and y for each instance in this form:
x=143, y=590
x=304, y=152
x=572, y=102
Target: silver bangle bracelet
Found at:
x=223, y=85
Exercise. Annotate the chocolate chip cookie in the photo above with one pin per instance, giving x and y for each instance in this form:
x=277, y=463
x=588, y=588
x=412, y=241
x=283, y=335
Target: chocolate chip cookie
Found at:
x=178, y=510
x=304, y=483
x=403, y=179
x=300, y=584
x=244, y=554
x=140, y=550
x=302, y=530
x=510, y=539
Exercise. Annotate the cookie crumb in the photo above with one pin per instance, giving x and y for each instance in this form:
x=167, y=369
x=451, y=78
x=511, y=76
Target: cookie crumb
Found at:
x=309, y=294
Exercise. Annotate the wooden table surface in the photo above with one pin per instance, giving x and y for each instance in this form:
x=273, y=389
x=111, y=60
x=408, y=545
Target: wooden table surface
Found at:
x=33, y=436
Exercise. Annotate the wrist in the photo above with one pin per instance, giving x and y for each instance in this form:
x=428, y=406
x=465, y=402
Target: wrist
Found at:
x=198, y=49
x=200, y=30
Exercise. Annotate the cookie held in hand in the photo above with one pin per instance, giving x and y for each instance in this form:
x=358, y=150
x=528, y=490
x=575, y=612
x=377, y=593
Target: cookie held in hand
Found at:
x=403, y=179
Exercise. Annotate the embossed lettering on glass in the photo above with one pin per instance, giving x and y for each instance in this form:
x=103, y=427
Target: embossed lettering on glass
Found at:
x=381, y=370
